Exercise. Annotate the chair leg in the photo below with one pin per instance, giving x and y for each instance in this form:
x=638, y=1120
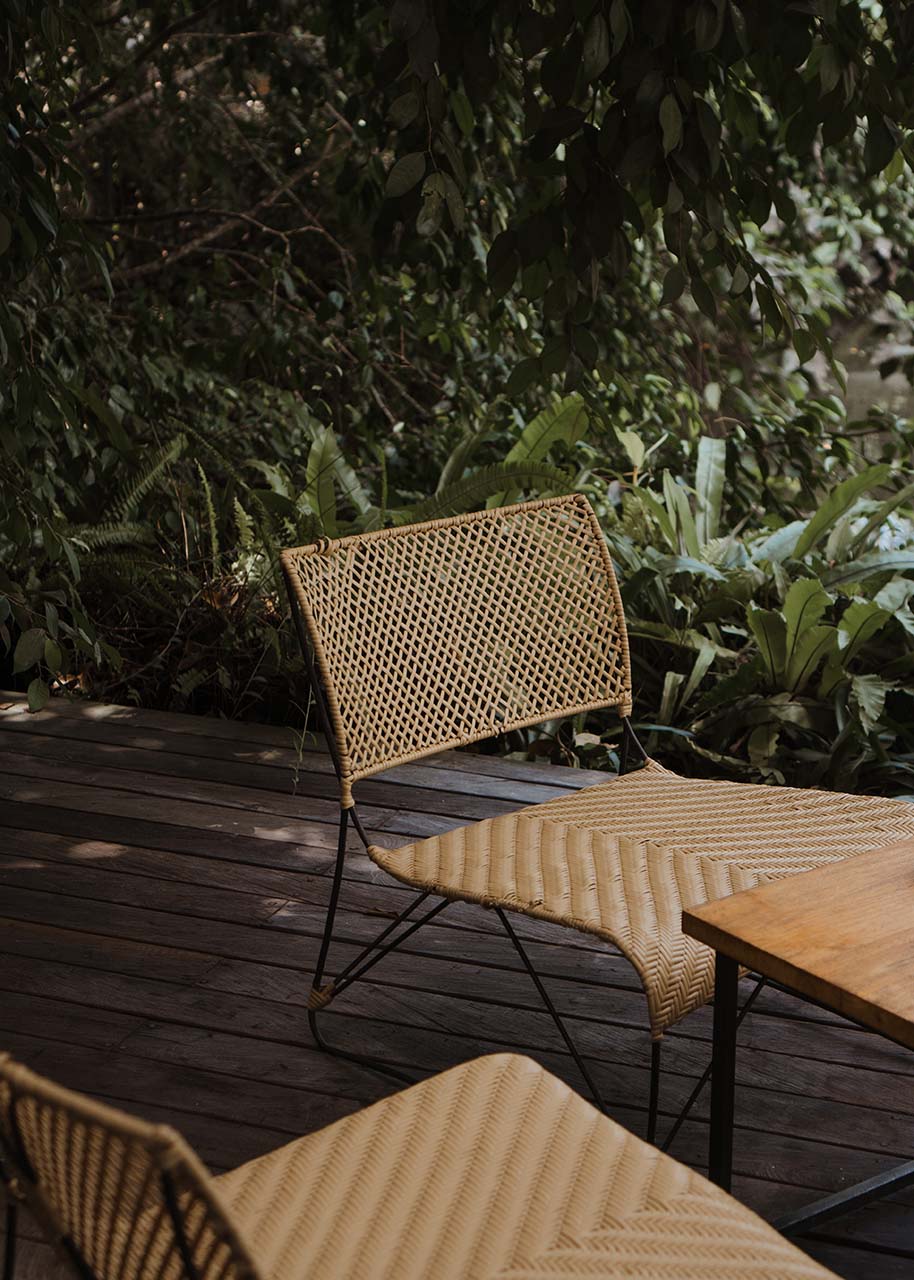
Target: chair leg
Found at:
x=547, y=1001
x=321, y=995
x=654, y=1098
x=706, y=1075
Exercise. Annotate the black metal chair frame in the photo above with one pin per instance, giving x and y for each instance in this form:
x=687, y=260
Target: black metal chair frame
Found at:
x=385, y=942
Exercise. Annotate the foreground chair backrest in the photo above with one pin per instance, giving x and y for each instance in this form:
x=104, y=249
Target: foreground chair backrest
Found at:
x=437, y=635
x=494, y=1170
x=122, y=1199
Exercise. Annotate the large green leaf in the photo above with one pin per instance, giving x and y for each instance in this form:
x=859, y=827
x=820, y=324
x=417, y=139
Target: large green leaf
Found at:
x=710, y=474
x=859, y=622
x=811, y=648
x=681, y=518
x=868, y=694
x=881, y=514
x=780, y=544
x=803, y=607
x=866, y=566
x=319, y=487
x=770, y=631
x=841, y=499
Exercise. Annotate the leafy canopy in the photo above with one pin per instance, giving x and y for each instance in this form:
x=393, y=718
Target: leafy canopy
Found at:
x=625, y=116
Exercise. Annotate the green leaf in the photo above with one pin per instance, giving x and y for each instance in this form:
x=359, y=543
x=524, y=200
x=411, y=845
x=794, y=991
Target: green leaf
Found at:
x=463, y=112
x=770, y=632
x=38, y=695
x=670, y=123
x=677, y=504
x=895, y=168
x=6, y=234
x=52, y=655
x=468, y=493
x=868, y=695
x=879, y=147
x=710, y=475
x=407, y=17
x=811, y=648
x=595, y=57
x=881, y=514
x=565, y=423
x=619, y=23
x=29, y=648
x=405, y=174
x=704, y=298
x=804, y=343
x=672, y=683
x=403, y=110
x=522, y=376
x=804, y=605
x=779, y=545
x=841, y=498
x=633, y=445
x=866, y=566
x=673, y=284
x=320, y=490
x=502, y=263
x=860, y=622
x=431, y=211
x=455, y=204
x=689, y=564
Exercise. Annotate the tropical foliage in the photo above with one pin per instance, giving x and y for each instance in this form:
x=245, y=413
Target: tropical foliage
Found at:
x=228, y=323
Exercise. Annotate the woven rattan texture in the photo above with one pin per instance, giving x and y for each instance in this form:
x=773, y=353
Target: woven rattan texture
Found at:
x=494, y=1169
x=437, y=635
x=622, y=860
x=93, y=1175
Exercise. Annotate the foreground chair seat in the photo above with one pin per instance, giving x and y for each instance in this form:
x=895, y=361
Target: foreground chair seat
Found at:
x=622, y=859
x=493, y=1169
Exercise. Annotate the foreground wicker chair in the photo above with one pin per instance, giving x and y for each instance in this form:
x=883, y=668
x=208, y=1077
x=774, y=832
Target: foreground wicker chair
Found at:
x=438, y=635
x=493, y=1169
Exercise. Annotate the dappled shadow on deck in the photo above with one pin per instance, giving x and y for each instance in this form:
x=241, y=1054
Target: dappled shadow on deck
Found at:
x=162, y=887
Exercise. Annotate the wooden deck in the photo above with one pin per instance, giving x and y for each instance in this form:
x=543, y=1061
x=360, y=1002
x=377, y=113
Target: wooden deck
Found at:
x=162, y=886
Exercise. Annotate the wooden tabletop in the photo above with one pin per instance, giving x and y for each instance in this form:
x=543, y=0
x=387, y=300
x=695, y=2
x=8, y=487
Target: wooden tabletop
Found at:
x=842, y=934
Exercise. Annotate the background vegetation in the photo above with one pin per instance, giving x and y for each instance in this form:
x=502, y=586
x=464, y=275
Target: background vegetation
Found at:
x=287, y=268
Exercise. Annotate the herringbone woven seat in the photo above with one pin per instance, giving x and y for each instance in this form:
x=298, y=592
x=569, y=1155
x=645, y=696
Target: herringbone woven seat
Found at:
x=494, y=1170
x=622, y=859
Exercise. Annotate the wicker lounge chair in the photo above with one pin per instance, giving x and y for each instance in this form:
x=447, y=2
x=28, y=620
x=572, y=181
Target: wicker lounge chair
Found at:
x=437, y=635
x=493, y=1169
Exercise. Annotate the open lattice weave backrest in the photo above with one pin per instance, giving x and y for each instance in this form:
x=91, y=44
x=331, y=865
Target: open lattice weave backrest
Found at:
x=437, y=635
x=98, y=1181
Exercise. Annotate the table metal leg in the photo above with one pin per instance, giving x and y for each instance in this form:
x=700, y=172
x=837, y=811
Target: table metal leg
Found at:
x=813, y=1215
x=723, y=1070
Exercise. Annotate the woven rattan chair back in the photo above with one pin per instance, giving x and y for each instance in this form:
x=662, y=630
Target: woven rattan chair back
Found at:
x=123, y=1199
x=440, y=634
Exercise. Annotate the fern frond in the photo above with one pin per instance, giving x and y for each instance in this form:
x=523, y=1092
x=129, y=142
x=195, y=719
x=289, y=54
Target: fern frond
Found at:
x=136, y=489
x=482, y=484
x=245, y=526
x=210, y=515
x=95, y=537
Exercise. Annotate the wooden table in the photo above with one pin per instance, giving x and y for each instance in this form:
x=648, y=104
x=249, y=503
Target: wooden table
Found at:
x=841, y=936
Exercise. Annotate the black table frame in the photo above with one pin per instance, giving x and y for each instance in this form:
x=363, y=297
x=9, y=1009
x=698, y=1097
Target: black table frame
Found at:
x=723, y=1088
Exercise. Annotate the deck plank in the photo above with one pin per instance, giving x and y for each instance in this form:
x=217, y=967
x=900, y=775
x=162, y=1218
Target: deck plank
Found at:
x=162, y=886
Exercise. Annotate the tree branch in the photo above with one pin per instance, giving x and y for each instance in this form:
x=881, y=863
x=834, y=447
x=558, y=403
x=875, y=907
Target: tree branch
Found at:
x=154, y=43
x=214, y=233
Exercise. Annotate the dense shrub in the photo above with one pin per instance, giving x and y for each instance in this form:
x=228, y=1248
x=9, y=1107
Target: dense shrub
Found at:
x=218, y=335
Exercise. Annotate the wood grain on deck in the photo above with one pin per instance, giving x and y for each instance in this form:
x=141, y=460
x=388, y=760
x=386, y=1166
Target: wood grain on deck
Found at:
x=163, y=880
